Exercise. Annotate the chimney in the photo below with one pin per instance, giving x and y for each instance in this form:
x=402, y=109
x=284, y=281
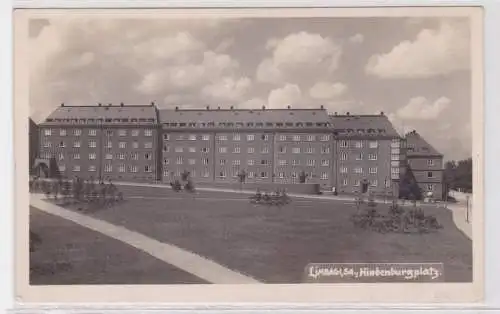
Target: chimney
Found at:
x=263, y=107
x=289, y=107
x=176, y=108
x=121, y=104
x=232, y=107
x=381, y=113
x=348, y=113
x=110, y=104
x=208, y=107
x=99, y=104
x=152, y=103
x=218, y=108
x=322, y=107
x=335, y=113
x=62, y=104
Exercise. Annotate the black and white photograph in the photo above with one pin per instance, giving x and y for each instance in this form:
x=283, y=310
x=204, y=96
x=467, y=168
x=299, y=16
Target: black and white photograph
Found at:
x=205, y=149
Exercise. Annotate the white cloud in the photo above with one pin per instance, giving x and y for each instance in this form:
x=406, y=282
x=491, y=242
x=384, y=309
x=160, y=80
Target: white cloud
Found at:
x=420, y=108
x=228, y=88
x=357, y=39
x=298, y=52
x=327, y=90
x=253, y=103
x=290, y=94
x=433, y=52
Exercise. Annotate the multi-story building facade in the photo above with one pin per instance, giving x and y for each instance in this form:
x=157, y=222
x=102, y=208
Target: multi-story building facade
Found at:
x=103, y=141
x=33, y=142
x=367, y=152
x=141, y=143
x=269, y=145
x=425, y=164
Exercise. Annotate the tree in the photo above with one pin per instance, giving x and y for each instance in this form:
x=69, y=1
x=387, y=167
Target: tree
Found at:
x=458, y=175
x=303, y=176
x=408, y=187
x=54, y=169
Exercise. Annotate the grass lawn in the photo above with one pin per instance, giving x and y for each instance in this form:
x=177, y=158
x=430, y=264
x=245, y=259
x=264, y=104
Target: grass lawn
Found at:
x=274, y=246
x=71, y=254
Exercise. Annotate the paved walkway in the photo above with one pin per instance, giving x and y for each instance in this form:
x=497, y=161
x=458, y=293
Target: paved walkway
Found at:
x=180, y=258
x=458, y=210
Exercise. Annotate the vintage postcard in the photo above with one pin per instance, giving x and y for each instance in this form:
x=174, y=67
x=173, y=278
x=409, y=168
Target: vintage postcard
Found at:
x=249, y=155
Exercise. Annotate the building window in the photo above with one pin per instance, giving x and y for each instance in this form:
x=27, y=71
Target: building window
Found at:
x=236, y=150
x=325, y=150
x=358, y=170
x=429, y=174
x=109, y=144
x=92, y=132
x=281, y=175
x=222, y=162
x=373, y=144
x=430, y=187
x=166, y=161
x=205, y=150
x=265, y=137
x=76, y=144
x=263, y=162
x=47, y=132
x=148, y=168
x=92, y=156
x=179, y=160
x=265, y=150
x=121, y=168
x=250, y=137
x=372, y=156
x=236, y=137
x=282, y=137
x=148, y=132
x=294, y=175
x=76, y=156
x=77, y=132
x=343, y=144
x=134, y=156
x=282, y=149
x=122, y=132
x=192, y=149
x=394, y=157
x=324, y=137
x=61, y=156
x=205, y=161
x=359, y=156
x=147, y=156
x=192, y=137
x=263, y=174
x=109, y=133
x=109, y=156
x=374, y=183
x=191, y=161
x=343, y=170
x=282, y=162
x=62, y=132
x=250, y=150
x=372, y=170
x=344, y=182
x=236, y=162
x=222, y=149
x=135, y=133
x=92, y=168
x=205, y=173
x=251, y=174
x=358, y=144
x=324, y=176
x=343, y=156
x=296, y=150
x=108, y=168
x=205, y=137
x=180, y=137
x=309, y=150
x=47, y=144
x=250, y=162
x=62, y=144
x=295, y=162
x=135, y=145
x=356, y=183
x=133, y=168
x=166, y=148
x=310, y=162
x=121, y=156
x=430, y=162
x=76, y=168
x=166, y=137
x=148, y=145
x=325, y=162
x=222, y=137
x=122, y=144
x=222, y=174
x=296, y=138
x=310, y=138
x=179, y=149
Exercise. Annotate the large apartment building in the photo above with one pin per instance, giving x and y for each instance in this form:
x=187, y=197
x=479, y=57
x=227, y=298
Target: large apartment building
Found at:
x=141, y=143
x=102, y=141
x=425, y=164
x=368, y=151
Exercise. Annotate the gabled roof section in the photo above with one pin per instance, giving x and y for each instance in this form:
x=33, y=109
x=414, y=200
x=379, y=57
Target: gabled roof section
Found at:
x=363, y=125
x=417, y=146
x=244, y=116
x=104, y=114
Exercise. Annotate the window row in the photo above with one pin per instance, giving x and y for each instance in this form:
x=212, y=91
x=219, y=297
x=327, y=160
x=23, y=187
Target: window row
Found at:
x=109, y=168
x=372, y=183
x=93, y=144
x=93, y=132
x=357, y=156
x=212, y=124
x=93, y=156
x=307, y=150
x=358, y=144
x=359, y=170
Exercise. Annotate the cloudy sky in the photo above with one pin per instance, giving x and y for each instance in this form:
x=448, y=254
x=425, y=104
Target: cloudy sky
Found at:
x=416, y=70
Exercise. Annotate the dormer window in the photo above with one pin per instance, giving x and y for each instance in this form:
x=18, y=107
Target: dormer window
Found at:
x=134, y=120
x=260, y=124
x=289, y=124
x=108, y=120
x=279, y=124
x=269, y=124
x=192, y=124
x=299, y=124
x=239, y=124
x=182, y=124
x=309, y=124
x=250, y=124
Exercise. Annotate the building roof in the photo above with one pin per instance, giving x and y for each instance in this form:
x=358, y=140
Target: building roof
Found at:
x=244, y=116
x=417, y=146
x=108, y=113
x=363, y=125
